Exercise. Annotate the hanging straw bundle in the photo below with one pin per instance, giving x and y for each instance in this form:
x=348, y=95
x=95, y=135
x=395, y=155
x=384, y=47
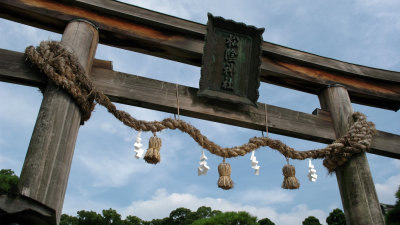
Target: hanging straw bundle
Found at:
x=290, y=181
x=225, y=182
x=153, y=153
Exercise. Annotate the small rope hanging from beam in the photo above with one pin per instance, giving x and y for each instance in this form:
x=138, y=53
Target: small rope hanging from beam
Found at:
x=62, y=67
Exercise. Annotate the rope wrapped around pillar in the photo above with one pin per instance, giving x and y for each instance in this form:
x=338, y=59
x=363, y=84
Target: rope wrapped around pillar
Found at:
x=61, y=66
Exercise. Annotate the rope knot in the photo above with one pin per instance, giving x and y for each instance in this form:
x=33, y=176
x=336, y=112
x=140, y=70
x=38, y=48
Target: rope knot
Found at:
x=63, y=68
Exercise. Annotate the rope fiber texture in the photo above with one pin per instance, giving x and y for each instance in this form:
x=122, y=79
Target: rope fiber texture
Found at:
x=63, y=68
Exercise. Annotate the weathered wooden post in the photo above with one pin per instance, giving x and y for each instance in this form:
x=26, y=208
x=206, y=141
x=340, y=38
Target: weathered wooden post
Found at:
x=357, y=189
x=44, y=176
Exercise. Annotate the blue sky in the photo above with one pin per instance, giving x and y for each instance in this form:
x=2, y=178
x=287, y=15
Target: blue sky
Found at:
x=104, y=171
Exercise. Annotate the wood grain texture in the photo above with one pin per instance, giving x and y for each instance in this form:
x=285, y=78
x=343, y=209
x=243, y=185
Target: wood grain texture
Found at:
x=45, y=173
x=158, y=95
x=134, y=28
x=357, y=189
x=153, y=94
x=14, y=69
x=362, y=90
x=316, y=61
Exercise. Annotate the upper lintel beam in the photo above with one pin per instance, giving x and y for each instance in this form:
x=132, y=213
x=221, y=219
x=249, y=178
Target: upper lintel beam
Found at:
x=134, y=28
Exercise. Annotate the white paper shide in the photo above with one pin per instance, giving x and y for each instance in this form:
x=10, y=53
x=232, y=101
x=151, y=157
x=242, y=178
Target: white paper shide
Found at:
x=203, y=167
x=138, y=146
x=254, y=164
x=312, y=173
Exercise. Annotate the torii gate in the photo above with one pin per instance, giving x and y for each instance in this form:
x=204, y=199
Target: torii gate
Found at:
x=337, y=84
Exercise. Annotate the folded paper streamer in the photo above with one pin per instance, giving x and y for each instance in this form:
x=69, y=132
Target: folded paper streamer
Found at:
x=254, y=164
x=63, y=68
x=203, y=167
x=138, y=146
x=153, y=153
x=312, y=173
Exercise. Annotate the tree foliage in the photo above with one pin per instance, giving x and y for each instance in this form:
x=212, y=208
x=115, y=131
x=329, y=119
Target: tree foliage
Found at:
x=311, y=220
x=165, y=221
x=180, y=216
x=229, y=218
x=132, y=220
x=336, y=217
x=205, y=212
x=265, y=221
x=90, y=218
x=393, y=216
x=8, y=182
x=68, y=220
x=111, y=217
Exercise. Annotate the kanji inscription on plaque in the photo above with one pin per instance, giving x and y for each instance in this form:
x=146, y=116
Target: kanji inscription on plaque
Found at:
x=231, y=61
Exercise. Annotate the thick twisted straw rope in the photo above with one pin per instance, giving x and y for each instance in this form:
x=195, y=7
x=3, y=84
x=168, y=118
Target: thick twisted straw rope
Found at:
x=62, y=67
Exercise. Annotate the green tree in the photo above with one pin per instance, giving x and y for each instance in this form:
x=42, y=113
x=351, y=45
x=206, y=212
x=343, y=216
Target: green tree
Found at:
x=132, y=220
x=68, y=220
x=393, y=216
x=215, y=212
x=228, y=218
x=111, y=217
x=180, y=216
x=165, y=221
x=90, y=218
x=8, y=182
x=311, y=220
x=265, y=221
x=204, y=212
x=336, y=217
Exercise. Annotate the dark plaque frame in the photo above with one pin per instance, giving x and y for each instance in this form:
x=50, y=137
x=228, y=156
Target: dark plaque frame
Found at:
x=231, y=61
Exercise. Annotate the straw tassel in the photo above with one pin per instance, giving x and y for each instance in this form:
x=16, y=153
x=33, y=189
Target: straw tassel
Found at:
x=225, y=182
x=153, y=153
x=290, y=181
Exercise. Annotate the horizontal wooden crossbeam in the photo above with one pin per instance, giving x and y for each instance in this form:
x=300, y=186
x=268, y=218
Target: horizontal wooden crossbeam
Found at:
x=158, y=95
x=134, y=28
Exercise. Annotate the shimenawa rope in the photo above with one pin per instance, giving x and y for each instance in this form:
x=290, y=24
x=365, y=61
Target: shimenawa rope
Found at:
x=62, y=67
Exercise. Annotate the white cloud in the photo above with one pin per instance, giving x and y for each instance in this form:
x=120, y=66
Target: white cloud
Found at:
x=162, y=203
x=111, y=170
x=266, y=197
x=386, y=191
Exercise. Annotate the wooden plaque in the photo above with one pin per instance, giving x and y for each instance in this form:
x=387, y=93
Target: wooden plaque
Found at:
x=231, y=61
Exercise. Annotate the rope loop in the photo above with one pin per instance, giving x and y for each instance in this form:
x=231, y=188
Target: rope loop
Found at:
x=63, y=68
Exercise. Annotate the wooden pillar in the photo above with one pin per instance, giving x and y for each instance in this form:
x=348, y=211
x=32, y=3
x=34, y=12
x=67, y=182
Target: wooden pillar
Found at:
x=357, y=189
x=45, y=172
